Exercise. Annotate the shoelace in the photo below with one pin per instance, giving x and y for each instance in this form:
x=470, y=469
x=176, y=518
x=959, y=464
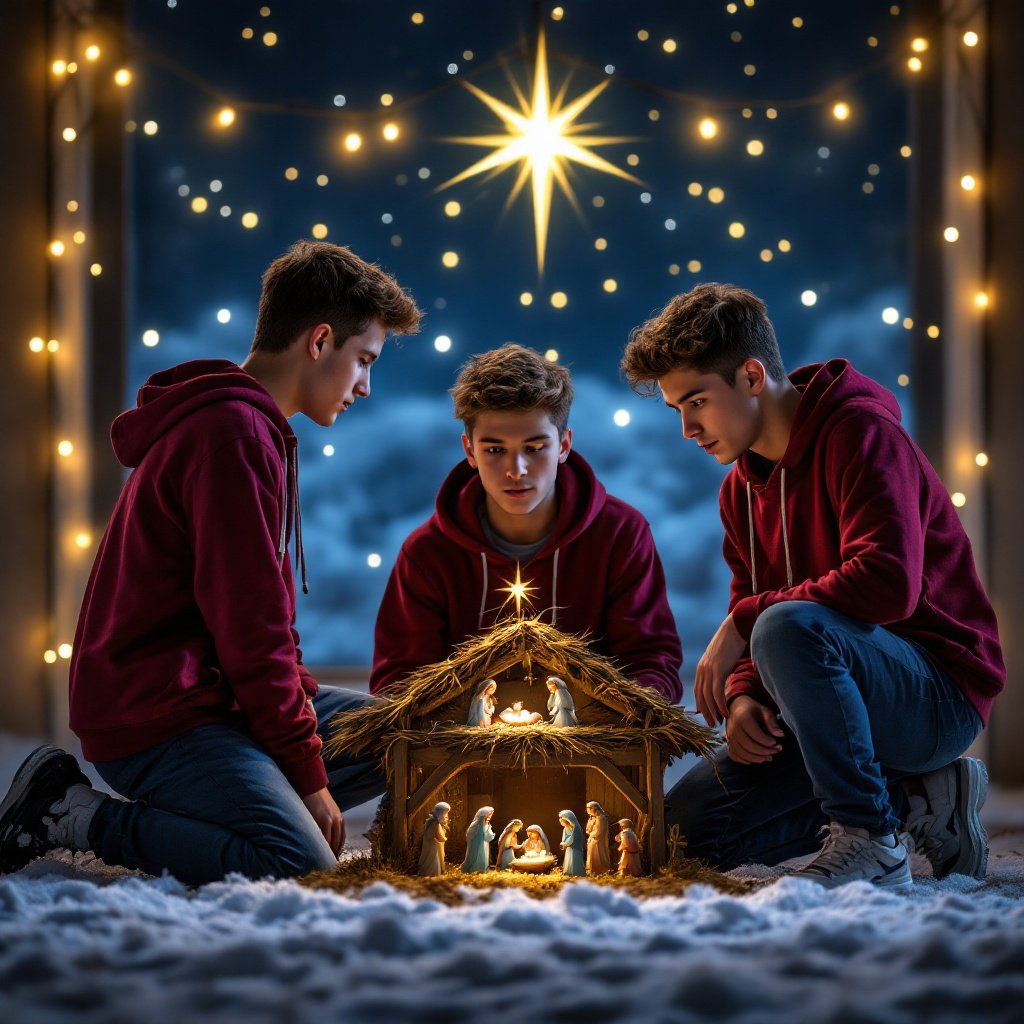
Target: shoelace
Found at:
x=838, y=850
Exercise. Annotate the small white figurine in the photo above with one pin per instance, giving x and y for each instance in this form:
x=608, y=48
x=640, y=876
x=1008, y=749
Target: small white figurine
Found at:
x=560, y=705
x=629, y=849
x=516, y=715
x=478, y=842
x=435, y=833
x=574, y=841
x=536, y=844
x=508, y=844
x=481, y=711
x=599, y=858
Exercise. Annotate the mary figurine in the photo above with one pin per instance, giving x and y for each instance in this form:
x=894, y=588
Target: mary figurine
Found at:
x=508, y=844
x=574, y=842
x=481, y=710
x=478, y=842
x=560, y=705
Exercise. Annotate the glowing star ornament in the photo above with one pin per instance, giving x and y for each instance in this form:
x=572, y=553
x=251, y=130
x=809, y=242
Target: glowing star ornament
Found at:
x=517, y=591
x=544, y=137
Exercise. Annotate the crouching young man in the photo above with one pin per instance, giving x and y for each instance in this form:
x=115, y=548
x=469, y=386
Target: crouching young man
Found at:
x=860, y=656
x=523, y=497
x=188, y=690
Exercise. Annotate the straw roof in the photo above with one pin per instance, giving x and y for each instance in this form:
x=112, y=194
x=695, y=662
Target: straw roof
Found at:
x=521, y=642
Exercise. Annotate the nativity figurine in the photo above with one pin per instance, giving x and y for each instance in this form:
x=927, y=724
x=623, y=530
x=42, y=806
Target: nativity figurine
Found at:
x=561, y=708
x=478, y=842
x=599, y=857
x=508, y=844
x=435, y=833
x=574, y=841
x=629, y=849
x=517, y=715
x=481, y=710
x=537, y=856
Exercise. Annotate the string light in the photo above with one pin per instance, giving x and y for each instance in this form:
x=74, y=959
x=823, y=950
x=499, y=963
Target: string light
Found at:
x=673, y=269
x=808, y=297
x=551, y=355
x=908, y=323
x=291, y=173
x=906, y=152
x=199, y=204
x=526, y=299
x=890, y=315
x=373, y=560
x=450, y=259
x=453, y=208
x=353, y=141
x=92, y=52
x=971, y=39
x=50, y=657
x=319, y=231
x=83, y=539
x=270, y=39
x=919, y=45
x=390, y=131
x=610, y=284
x=52, y=345
x=64, y=651
x=122, y=77
x=950, y=234
x=716, y=195
x=600, y=244
x=695, y=188
x=767, y=255
x=150, y=338
x=328, y=450
x=226, y=117
x=417, y=18
x=36, y=344
x=903, y=380
x=933, y=331
x=694, y=266
x=755, y=147
x=669, y=46
x=841, y=111
x=707, y=127
x=557, y=13
x=981, y=300
x=736, y=230
x=57, y=247
x=559, y=300
x=78, y=237
x=968, y=183
x=981, y=459
x=915, y=64
x=250, y=220
x=784, y=245
x=386, y=99
x=959, y=499
x=69, y=135
x=223, y=316
x=150, y=128
x=65, y=449
x=621, y=418
x=59, y=67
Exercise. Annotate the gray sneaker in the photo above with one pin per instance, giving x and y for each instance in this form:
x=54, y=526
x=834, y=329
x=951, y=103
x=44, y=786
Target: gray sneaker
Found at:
x=26, y=825
x=944, y=819
x=851, y=855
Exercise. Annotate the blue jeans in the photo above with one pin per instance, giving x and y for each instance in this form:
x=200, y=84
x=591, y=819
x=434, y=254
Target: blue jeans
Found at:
x=213, y=801
x=861, y=708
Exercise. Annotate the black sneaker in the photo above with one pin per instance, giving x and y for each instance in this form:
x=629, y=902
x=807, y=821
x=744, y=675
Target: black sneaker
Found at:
x=43, y=778
x=944, y=819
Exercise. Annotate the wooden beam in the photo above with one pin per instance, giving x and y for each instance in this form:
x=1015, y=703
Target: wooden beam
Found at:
x=436, y=779
x=398, y=772
x=656, y=793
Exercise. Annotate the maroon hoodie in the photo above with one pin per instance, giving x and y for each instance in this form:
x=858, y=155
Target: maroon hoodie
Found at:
x=188, y=615
x=599, y=573
x=854, y=517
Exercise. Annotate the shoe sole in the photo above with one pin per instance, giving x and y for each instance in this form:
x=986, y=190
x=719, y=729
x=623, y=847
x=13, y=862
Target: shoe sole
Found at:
x=973, y=784
x=19, y=785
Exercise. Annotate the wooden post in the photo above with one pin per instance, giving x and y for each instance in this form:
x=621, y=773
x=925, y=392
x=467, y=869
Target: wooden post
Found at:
x=398, y=772
x=656, y=804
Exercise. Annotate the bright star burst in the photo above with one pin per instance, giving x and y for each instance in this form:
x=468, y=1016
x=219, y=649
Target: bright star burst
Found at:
x=517, y=591
x=545, y=138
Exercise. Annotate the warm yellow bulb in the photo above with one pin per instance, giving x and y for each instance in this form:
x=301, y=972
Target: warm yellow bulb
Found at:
x=50, y=657
x=69, y=135
x=122, y=77
x=736, y=230
x=981, y=300
x=767, y=255
x=83, y=539
x=673, y=269
x=226, y=117
x=785, y=245
x=669, y=46
x=959, y=499
x=151, y=128
x=353, y=141
x=933, y=331
x=971, y=39
x=557, y=13
x=841, y=111
x=417, y=18
x=600, y=244
x=320, y=231
x=610, y=284
x=36, y=344
x=386, y=99
x=250, y=219
x=695, y=188
x=450, y=259
x=269, y=38
x=919, y=45
x=72, y=67
x=559, y=300
x=951, y=234
x=72, y=206
x=92, y=52
x=52, y=345
x=968, y=183
x=453, y=208
x=908, y=323
x=716, y=195
x=390, y=131
x=65, y=448
x=199, y=204
x=694, y=266
x=64, y=651
x=247, y=33
x=915, y=64
x=291, y=173
x=906, y=152
x=59, y=67
x=643, y=35
x=150, y=338
x=798, y=23
x=755, y=147
x=96, y=269
x=526, y=299
x=57, y=247
x=78, y=238
x=981, y=459
x=551, y=355
x=707, y=127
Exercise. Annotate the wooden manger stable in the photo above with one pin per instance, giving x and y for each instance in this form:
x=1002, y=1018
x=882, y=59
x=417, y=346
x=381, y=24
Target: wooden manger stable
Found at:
x=617, y=754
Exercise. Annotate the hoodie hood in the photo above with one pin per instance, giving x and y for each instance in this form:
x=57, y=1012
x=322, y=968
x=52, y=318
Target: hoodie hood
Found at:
x=170, y=396
x=829, y=392
x=581, y=496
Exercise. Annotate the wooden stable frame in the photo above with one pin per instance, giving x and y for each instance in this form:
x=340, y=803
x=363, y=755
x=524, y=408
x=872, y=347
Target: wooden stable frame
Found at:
x=440, y=765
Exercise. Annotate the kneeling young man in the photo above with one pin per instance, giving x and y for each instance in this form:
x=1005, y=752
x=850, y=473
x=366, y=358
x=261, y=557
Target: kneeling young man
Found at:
x=522, y=496
x=860, y=656
x=188, y=690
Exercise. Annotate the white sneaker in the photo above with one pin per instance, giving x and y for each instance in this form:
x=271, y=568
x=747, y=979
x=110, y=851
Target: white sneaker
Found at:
x=68, y=820
x=851, y=855
x=944, y=821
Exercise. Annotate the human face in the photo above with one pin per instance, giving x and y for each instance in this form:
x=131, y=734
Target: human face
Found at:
x=517, y=455
x=338, y=376
x=724, y=421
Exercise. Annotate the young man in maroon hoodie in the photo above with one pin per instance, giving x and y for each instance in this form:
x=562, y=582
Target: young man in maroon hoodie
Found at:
x=188, y=690
x=860, y=656
x=523, y=497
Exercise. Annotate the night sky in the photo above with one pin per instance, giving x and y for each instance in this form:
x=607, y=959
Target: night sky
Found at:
x=826, y=199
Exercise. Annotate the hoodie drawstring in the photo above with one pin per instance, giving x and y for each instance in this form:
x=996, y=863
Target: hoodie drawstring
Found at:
x=554, y=589
x=483, y=593
x=293, y=512
x=785, y=534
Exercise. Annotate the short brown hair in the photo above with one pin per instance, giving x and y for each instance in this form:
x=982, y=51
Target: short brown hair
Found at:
x=512, y=378
x=318, y=282
x=713, y=328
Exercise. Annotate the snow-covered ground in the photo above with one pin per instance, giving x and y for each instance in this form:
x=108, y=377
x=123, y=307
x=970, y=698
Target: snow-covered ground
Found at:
x=80, y=943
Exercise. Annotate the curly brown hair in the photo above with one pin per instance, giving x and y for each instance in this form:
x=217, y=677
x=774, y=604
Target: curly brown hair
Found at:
x=318, y=282
x=512, y=378
x=713, y=328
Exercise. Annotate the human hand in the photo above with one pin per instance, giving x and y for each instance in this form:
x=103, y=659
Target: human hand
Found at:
x=717, y=661
x=328, y=818
x=752, y=730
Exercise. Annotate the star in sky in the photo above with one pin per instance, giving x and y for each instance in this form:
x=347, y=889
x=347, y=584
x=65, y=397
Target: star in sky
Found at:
x=544, y=137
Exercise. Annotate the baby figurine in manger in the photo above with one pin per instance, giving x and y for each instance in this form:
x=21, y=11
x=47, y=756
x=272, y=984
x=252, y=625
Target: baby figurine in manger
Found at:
x=518, y=715
x=537, y=856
